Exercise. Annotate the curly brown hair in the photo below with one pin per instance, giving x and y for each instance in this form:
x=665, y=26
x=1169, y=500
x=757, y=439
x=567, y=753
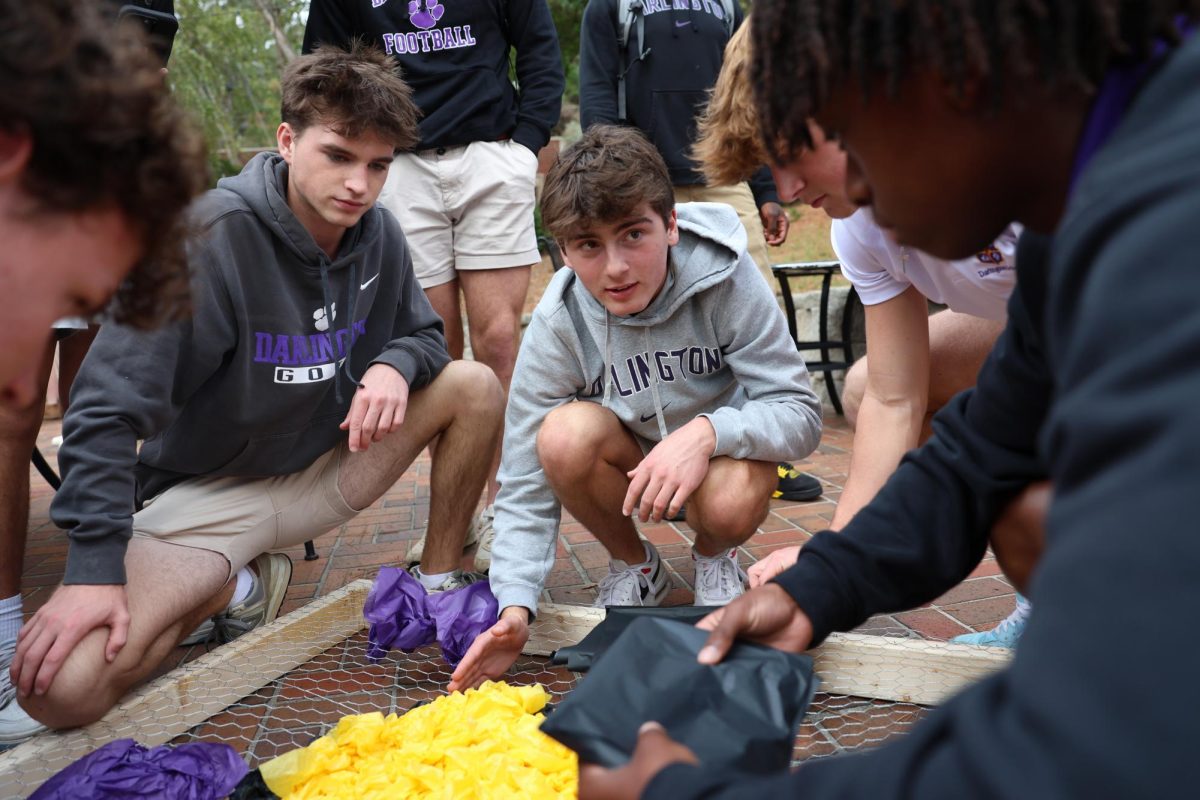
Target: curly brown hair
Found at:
x=353, y=91
x=603, y=178
x=106, y=134
x=728, y=145
x=803, y=48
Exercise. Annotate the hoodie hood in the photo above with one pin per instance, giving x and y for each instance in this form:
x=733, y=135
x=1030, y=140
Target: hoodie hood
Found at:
x=262, y=186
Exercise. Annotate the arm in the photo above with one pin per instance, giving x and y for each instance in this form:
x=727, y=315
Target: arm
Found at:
x=329, y=22
x=539, y=71
x=894, y=404
x=781, y=418
x=599, y=64
x=766, y=198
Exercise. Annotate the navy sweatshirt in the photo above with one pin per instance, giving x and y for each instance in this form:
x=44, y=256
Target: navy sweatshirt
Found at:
x=455, y=56
x=256, y=381
x=1095, y=384
x=665, y=91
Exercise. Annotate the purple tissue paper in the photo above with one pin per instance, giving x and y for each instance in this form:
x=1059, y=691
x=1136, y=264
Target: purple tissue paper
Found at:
x=405, y=616
x=124, y=768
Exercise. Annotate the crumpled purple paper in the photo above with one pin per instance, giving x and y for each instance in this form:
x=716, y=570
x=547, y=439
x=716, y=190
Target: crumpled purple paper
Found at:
x=124, y=768
x=404, y=616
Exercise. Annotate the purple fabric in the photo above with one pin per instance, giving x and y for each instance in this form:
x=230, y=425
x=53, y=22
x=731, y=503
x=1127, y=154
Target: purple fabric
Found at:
x=121, y=769
x=404, y=616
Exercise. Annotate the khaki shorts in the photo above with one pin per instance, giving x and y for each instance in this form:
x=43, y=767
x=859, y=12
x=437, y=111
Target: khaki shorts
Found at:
x=242, y=518
x=741, y=199
x=465, y=208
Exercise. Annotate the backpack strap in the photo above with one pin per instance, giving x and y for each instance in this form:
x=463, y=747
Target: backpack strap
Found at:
x=630, y=14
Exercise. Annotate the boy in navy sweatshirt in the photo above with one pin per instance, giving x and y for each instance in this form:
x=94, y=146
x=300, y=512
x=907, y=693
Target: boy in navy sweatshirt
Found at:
x=1078, y=120
x=310, y=375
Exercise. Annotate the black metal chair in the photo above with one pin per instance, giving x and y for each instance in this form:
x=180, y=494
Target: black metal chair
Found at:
x=827, y=364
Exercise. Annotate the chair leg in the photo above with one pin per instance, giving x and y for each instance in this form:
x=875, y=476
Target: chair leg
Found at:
x=310, y=551
x=39, y=461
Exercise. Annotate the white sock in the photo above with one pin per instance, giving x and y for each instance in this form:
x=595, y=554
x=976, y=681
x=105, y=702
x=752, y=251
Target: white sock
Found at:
x=730, y=553
x=245, y=585
x=10, y=619
x=432, y=581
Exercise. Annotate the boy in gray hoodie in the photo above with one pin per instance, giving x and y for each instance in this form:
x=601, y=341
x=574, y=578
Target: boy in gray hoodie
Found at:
x=657, y=371
x=311, y=373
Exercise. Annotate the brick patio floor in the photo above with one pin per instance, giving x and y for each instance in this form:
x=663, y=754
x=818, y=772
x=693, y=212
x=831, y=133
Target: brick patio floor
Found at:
x=381, y=535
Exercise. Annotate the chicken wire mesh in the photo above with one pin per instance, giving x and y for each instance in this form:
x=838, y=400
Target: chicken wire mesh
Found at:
x=280, y=687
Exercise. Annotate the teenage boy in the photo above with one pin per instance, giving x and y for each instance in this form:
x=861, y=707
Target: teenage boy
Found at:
x=1092, y=146
x=916, y=361
x=311, y=374
x=657, y=371
x=465, y=196
x=97, y=165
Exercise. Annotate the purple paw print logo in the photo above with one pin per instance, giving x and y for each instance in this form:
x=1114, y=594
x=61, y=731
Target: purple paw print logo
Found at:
x=425, y=13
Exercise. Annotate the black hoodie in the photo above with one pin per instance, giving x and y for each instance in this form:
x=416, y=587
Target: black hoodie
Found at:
x=455, y=56
x=256, y=382
x=666, y=90
x=1094, y=383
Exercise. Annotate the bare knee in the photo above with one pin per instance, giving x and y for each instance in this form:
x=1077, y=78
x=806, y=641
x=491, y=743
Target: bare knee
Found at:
x=731, y=504
x=570, y=439
x=494, y=340
x=475, y=387
x=853, y=391
x=84, y=689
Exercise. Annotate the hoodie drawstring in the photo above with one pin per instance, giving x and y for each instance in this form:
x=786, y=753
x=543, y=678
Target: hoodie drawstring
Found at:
x=658, y=406
x=350, y=309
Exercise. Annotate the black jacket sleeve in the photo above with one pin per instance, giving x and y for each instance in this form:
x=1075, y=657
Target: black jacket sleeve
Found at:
x=131, y=386
x=599, y=64
x=762, y=186
x=539, y=71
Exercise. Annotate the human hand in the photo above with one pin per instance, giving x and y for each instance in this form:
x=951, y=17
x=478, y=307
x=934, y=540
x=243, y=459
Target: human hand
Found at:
x=53, y=632
x=1019, y=536
x=670, y=472
x=766, y=614
x=775, y=223
x=655, y=751
x=775, y=562
x=378, y=407
x=493, y=651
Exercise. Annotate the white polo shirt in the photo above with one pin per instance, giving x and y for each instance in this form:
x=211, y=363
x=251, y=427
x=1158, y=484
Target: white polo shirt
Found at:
x=880, y=269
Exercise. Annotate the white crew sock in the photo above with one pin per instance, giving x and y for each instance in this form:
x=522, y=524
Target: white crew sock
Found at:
x=10, y=619
x=245, y=585
x=432, y=581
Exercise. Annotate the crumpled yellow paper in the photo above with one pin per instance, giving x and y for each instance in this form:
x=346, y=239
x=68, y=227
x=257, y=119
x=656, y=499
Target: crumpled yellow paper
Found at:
x=483, y=743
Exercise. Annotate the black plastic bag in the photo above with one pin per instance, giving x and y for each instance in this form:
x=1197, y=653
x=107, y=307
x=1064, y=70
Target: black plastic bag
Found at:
x=741, y=713
x=579, y=657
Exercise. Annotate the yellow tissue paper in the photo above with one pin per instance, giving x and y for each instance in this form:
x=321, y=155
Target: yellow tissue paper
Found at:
x=483, y=744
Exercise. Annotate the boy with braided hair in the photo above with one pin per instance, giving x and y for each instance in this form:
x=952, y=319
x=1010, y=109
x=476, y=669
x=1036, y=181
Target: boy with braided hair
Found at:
x=1077, y=120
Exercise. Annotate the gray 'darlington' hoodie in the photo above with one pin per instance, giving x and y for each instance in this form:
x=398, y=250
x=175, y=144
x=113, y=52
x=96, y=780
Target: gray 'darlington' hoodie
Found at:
x=256, y=382
x=712, y=343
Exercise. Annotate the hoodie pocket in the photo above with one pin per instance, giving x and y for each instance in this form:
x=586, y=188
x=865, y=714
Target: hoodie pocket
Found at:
x=673, y=124
x=284, y=453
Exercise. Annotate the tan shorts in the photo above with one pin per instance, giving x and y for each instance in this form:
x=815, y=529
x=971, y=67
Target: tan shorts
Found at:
x=464, y=208
x=242, y=518
x=741, y=199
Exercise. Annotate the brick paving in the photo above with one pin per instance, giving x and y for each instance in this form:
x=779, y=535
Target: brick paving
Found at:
x=382, y=534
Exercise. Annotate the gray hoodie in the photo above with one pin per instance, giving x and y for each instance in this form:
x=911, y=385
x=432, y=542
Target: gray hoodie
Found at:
x=712, y=343
x=256, y=382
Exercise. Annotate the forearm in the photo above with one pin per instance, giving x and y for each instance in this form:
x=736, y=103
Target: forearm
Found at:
x=885, y=432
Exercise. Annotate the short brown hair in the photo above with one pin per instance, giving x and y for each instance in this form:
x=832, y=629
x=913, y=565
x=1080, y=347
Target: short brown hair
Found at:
x=105, y=134
x=602, y=178
x=353, y=91
x=729, y=146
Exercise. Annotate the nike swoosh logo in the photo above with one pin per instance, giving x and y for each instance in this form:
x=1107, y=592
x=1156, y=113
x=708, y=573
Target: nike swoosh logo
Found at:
x=679, y=24
x=368, y=283
x=648, y=417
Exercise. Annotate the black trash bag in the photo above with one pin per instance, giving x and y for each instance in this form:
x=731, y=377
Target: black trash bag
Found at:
x=741, y=713
x=253, y=787
x=579, y=657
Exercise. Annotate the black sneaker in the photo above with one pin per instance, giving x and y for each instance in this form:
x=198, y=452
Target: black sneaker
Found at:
x=795, y=485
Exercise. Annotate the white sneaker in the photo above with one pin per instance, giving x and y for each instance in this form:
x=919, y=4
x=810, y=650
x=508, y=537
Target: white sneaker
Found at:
x=15, y=725
x=483, y=530
x=417, y=549
x=718, y=579
x=644, y=584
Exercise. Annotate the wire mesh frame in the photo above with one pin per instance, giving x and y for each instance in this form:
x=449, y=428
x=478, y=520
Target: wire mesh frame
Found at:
x=280, y=687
